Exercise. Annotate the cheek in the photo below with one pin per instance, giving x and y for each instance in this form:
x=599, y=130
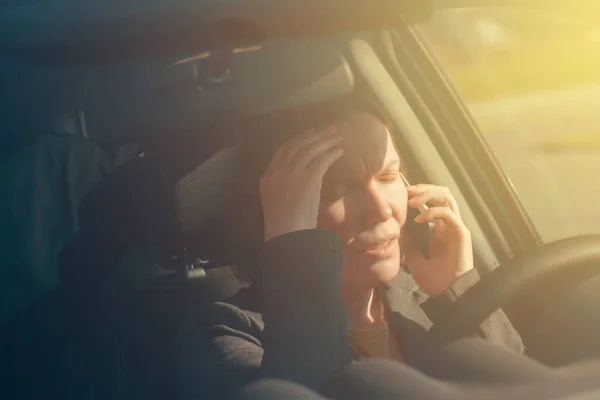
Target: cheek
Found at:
x=332, y=216
x=399, y=203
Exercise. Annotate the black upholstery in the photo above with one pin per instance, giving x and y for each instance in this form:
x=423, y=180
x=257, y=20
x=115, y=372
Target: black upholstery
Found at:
x=107, y=332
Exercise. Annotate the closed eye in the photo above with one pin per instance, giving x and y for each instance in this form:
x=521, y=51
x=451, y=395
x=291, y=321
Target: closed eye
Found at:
x=389, y=177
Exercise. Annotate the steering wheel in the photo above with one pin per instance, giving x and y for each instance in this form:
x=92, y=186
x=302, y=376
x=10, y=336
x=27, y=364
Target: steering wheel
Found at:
x=555, y=267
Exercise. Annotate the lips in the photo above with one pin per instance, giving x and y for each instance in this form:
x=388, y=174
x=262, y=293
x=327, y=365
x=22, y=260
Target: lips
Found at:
x=381, y=248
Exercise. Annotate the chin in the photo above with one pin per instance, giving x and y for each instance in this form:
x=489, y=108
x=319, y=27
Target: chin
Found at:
x=383, y=272
x=371, y=270
x=376, y=273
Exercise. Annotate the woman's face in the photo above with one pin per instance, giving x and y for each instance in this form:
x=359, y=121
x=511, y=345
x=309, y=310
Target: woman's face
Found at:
x=364, y=201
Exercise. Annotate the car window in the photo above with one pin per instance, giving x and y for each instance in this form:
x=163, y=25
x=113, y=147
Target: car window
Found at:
x=531, y=81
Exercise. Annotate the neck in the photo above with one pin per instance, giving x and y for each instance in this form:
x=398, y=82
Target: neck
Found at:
x=363, y=309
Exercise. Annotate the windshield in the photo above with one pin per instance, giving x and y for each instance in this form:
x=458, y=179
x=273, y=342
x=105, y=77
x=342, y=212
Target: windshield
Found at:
x=531, y=81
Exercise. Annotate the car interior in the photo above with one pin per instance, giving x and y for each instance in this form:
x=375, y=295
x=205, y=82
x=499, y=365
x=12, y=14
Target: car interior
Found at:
x=122, y=120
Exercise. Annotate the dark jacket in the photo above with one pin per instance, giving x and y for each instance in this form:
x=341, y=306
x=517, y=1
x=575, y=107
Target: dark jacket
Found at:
x=294, y=327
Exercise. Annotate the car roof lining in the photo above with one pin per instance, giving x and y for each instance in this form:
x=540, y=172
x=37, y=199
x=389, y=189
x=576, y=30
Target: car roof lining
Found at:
x=84, y=31
x=130, y=102
x=163, y=97
x=76, y=31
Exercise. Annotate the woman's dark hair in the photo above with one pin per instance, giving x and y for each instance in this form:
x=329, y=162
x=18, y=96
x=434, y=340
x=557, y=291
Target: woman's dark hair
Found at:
x=258, y=140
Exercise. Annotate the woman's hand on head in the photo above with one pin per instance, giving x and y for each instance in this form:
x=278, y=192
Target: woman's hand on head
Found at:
x=451, y=252
x=290, y=189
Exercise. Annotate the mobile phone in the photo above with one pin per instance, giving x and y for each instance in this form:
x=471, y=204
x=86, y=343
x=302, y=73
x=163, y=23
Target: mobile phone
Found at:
x=420, y=234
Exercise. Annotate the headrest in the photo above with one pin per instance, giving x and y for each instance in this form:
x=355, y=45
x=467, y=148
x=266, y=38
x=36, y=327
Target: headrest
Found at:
x=201, y=193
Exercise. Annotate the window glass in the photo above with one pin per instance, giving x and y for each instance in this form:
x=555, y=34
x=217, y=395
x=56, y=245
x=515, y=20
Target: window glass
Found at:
x=531, y=80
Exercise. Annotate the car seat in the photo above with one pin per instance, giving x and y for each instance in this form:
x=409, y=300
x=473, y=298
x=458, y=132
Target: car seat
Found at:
x=125, y=284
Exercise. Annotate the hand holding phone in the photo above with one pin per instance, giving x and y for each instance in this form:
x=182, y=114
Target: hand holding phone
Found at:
x=441, y=248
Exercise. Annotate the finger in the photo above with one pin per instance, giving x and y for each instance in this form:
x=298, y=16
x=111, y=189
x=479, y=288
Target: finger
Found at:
x=281, y=150
x=443, y=214
x=419, y=187
x=286, y=153
x=436, y=195
x=321, y=163
x=305, y=156
x=423, y=187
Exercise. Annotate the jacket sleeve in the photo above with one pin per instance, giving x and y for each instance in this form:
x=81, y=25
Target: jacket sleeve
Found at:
x=496, y=328
x=305, y=334
x=304, y=337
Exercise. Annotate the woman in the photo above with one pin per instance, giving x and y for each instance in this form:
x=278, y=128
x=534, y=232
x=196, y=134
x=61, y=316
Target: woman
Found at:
x=324, y=261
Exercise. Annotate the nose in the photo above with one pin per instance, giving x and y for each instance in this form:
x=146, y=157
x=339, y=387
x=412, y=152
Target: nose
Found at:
x=377, y=208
